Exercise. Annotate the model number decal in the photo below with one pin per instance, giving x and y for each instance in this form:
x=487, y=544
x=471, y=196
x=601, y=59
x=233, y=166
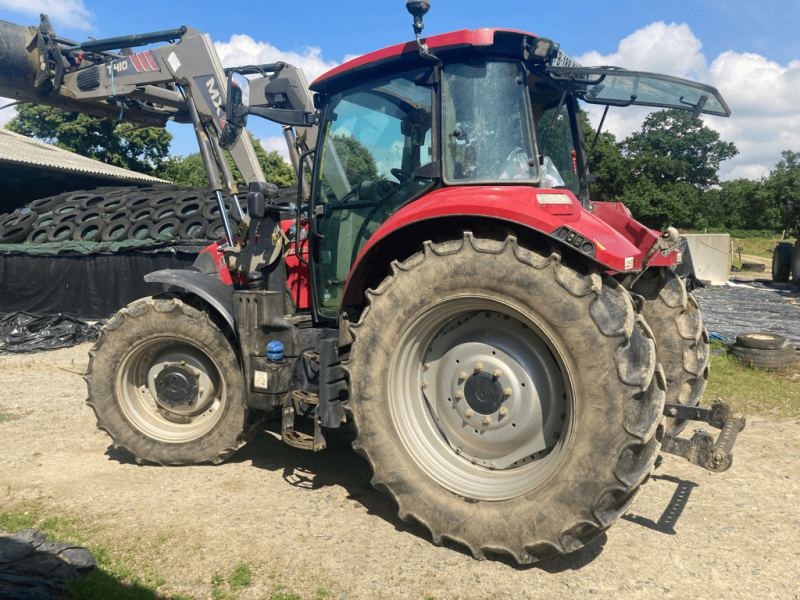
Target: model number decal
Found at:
x=118, y=67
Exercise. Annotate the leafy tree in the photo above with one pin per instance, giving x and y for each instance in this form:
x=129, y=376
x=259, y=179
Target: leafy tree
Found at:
x=143, y=150
x=357, y=160
x=605, y=162
x=189, y=171
x=672, y=147
x=784, y=180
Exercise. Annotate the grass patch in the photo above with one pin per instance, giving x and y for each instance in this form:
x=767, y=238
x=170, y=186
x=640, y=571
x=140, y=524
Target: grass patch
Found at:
x=753, y=392
x=4, y=417
x=122, y=576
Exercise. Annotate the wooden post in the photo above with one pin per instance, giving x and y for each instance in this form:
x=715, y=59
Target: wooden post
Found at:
x=733, y=257
x=739, y=248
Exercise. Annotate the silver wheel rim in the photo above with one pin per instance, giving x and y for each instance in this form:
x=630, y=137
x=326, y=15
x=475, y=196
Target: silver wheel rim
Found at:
x=468, y=442
x=138, y=397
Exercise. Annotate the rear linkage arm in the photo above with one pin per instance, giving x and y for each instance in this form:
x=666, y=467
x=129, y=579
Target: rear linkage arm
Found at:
x=702, y=450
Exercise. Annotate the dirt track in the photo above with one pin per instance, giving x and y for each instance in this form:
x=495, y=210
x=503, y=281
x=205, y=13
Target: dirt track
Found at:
x=312, y=520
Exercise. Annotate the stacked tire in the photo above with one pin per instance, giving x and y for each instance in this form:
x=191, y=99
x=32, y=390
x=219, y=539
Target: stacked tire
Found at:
x=765, y=351
x=115, y=214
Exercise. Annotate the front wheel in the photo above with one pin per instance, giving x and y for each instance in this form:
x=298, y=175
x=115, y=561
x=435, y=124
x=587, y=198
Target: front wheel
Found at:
x=165, y=384
x=506, y=401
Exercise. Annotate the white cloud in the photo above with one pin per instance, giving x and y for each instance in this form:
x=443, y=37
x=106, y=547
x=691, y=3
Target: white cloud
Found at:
x=64, y=13
x=7, y=113
x=244, y=50
x=276, y=143
x=761, y=94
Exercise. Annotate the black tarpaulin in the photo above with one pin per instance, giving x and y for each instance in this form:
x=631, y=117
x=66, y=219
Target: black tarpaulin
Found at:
x=92, y=286
x=23, y=332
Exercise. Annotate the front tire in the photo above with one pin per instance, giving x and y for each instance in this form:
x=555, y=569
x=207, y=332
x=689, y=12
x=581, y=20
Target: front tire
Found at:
x=165, y=384
x=564, y=354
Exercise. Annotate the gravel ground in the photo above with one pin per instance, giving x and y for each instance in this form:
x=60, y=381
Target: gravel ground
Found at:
x=307, y=520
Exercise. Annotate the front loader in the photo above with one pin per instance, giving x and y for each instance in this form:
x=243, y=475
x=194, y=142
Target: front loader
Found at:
x=513, y=356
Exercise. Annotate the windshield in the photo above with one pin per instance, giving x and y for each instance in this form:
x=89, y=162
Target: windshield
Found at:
x=487, y=130
x=376, y=137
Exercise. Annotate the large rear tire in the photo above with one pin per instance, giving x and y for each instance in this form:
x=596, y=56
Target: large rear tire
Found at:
x=682, y=345
x=165, y=384
x=540, y=447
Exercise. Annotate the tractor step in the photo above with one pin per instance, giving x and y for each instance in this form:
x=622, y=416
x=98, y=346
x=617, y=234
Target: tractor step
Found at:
x=702, y=450
x=291, y=408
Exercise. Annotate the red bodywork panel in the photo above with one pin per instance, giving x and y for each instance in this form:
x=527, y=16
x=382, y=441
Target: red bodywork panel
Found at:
x=463, y=37
x=620, y=242
x=297, y=274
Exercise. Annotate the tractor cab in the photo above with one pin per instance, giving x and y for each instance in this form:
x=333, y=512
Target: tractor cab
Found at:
x=490, y=107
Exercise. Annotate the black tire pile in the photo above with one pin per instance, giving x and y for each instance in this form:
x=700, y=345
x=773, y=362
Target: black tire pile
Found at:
x=115, y=214
x=766, y=351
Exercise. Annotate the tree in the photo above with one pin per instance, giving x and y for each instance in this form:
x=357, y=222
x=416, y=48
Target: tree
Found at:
x=143, y=150
x=672, y=147
x=605, y=162
x=357, y=160
x=784, y=180
x=191, y=172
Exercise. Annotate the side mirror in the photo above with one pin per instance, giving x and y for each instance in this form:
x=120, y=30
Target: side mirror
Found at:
x=236, y=110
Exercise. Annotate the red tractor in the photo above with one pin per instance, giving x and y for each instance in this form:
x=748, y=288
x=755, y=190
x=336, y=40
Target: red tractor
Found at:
x=513, y=355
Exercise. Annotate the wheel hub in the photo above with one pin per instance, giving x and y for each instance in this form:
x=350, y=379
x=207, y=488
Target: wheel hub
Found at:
x=484, y=393
x=176, y=386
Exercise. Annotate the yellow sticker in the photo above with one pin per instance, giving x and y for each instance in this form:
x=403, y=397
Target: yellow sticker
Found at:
x=276, y=238
x=599, y=245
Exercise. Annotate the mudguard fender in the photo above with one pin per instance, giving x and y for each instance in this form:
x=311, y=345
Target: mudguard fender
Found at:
x=209, y=287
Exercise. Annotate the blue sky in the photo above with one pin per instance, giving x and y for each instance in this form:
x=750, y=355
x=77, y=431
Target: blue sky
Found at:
x=749, y=50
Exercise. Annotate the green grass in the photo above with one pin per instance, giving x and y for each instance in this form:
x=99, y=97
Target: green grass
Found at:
x=118, y=575
x=8, y=417
x=753, y=392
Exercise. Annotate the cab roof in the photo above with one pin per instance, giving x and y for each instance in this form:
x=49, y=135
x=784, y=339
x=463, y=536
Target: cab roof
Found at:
x=507, y=40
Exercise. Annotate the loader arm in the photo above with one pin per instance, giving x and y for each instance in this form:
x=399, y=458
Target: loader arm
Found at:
x=153, y=86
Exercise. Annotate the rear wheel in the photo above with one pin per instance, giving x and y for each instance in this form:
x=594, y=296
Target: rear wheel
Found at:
x=505, y=401
x=682, y=345
x=166, y=385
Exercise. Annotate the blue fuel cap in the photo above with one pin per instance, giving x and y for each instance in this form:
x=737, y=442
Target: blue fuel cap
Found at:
x=275, y=351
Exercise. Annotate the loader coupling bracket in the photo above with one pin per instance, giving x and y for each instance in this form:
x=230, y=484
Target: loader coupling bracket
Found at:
x=701, y=449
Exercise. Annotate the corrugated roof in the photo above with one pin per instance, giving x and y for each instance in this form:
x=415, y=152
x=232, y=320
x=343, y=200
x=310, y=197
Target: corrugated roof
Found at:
x=21, y=150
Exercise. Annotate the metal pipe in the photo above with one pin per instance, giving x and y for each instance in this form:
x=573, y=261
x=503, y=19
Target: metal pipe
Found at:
x=222, y=161
x=130, y=41
x=210, y=165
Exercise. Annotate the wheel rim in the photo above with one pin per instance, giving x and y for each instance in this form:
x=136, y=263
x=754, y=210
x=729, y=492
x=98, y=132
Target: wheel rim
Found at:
x=146, y=402
x=479, y=398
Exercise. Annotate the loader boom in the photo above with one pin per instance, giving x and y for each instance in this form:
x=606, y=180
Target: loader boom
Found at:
x=183, y=81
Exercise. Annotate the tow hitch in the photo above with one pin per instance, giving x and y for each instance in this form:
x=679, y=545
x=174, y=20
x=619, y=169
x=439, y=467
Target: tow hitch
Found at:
x=702, y=450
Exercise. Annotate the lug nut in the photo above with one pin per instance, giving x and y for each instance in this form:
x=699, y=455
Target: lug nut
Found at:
x=486, y=420
x=197, y=373
x=718, y=458
x=507, y=392
x=672, y=412
x=468, y=414
x=503, y=411
x=493, y=466
x=458, y=450
x=426, y=366
x=462, y=375
x=424, y=384
x=474, y=461
x=497, y=374
x=478, y=367
x=200, y=391
x=183, y=362
x=459, y=395
x=166, y=364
